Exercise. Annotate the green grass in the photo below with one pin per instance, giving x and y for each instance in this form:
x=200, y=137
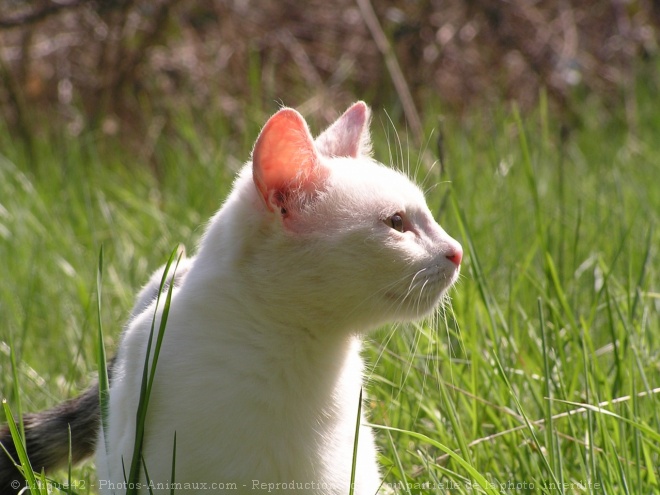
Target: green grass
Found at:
x=541, y=377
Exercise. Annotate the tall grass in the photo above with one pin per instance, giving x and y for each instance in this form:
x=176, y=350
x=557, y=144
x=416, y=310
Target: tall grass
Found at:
x=542, y=375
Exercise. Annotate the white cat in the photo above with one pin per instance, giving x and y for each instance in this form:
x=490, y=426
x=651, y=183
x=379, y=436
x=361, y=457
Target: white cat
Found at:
x=259, y=374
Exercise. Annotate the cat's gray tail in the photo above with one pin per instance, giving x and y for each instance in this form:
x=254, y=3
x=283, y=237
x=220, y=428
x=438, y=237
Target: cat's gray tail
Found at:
x=47, y=432
x=47, y=437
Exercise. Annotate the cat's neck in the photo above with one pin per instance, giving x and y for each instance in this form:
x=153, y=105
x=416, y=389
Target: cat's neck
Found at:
x=244, y=317
x=311, y=365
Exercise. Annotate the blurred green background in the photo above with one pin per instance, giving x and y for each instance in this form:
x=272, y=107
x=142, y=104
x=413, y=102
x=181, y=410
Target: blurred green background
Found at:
x=532, y=126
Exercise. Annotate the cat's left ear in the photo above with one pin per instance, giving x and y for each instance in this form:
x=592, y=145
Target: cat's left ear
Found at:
x=348, y=135
x=285, y=164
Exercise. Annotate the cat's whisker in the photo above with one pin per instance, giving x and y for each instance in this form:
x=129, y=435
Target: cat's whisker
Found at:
x=414, y=278
x=393, y=329
x=431, y=188
x=423, y=151
x=386, y=128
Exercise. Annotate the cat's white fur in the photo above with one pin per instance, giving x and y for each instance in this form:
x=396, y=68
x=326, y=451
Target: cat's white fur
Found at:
x=260, y=371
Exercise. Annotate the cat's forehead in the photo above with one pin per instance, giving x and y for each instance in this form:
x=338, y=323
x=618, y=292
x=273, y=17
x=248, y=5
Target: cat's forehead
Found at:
x=372, y=180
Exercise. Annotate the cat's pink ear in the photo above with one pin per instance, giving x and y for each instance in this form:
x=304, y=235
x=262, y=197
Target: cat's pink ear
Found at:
x=285, y=164
x=348, y=135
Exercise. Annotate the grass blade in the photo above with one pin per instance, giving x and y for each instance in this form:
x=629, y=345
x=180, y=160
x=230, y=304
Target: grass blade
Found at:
x=101, y=360
x=528, y=423
x=549, y=428
x=173, y=472
x=149, y=374
x=650, y=432
x=485, y=485
x=399, y=465
x=19, y=443
x=351, y=489
x=14, y=376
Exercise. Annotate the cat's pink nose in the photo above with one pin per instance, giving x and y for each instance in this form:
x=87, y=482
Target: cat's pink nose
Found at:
x=456, y=255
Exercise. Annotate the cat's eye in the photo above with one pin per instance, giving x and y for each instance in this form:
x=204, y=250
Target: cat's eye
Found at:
x=395, y=222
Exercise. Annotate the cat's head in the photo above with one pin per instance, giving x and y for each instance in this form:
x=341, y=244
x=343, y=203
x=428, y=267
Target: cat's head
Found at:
x=341, y=237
